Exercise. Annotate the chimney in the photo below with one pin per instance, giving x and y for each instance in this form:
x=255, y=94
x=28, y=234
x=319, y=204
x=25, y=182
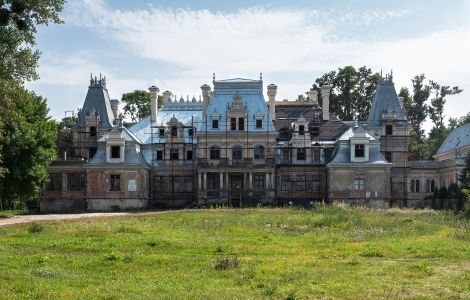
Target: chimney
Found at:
x=206, y=94
x=167, y=96
x=325, y=94
x=272, y=91
x=115, y=107
x=400, y=99
x=153, y=102
x=313, y=96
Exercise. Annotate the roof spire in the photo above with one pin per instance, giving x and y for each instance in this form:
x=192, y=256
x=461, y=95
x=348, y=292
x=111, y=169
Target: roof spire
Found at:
x=213, y=76
x=260, y=76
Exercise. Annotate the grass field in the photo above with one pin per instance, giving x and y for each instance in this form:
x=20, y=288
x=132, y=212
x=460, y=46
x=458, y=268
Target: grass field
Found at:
x=329, y=252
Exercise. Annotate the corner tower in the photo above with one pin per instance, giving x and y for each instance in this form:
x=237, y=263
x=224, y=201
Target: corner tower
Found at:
x=388, y=122
x=94, y=119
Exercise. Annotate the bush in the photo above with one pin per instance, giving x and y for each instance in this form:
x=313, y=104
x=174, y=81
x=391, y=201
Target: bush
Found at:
x=112, y=256
x=35, y=228
x=227, y=262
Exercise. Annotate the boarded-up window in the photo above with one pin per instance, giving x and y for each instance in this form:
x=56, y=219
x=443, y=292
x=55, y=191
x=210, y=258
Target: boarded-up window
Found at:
x=55, y=182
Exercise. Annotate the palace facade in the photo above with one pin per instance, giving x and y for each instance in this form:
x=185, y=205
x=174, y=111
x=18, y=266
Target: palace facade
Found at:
x=232, y=147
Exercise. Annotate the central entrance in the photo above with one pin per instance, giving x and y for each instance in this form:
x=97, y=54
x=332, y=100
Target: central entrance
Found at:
x=236, y=190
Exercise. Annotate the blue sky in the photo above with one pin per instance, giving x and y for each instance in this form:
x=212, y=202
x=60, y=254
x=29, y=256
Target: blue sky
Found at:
x=177, y=45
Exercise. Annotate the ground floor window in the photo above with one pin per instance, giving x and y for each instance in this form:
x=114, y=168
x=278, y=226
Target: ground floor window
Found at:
x=316, y=183
x=359, y=182
x=115, y=182
x=258, y=183
x=284, y=182
x=55, y=182
x=300, y=183
x=76, y=182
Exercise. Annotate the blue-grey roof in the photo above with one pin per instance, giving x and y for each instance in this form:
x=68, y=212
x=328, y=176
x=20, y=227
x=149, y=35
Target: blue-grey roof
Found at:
x=385, y=99
x=459, y=137
x=342, y=153
x=97, y=100
x=187, y=113
x=126, y=135
x=251, y=93
x=132, y=156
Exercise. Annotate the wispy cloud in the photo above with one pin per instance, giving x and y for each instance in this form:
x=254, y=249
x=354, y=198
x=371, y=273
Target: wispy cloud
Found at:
x=269, y=40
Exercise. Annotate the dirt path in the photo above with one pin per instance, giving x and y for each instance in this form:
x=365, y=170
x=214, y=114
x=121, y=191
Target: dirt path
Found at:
x=57, y=217
x=37, y=218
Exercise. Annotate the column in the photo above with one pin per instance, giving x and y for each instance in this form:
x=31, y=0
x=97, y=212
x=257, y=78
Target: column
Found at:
x=226, y=181
x=199, y=181
x=268, y=178
x=204, y=182
x=250, y=180
x=221, y=183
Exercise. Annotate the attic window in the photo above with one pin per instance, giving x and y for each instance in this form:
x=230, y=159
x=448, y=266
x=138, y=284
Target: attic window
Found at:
x=241, y=123
x=115, y=151
x=174, y=131
x=259, y=123
x=215, y=124
x=388, y=129
x=359, y=150
x=161, y=132
x=301, y=129
x=92, y=131
x=315, y=131
x=190, y=132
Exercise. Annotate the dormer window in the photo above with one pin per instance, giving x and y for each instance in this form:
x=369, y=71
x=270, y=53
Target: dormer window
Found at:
x=241, y=123
x=161, y=132
x=388, y=130
x=115, y=151
x=301, y=129
x=215, y=124
x=190, y=132
x=174, y=131
x=359, y=150
x=92, y=130
x=259, y=123
x=233, y=123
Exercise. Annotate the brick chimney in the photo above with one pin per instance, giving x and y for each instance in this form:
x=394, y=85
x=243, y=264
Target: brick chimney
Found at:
x=272, y=91
x=153, y=102
x=325, y=94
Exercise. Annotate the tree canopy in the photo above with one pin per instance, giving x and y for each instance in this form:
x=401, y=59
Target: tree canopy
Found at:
x=27, y=135
x=352, y=91
x=137, y=104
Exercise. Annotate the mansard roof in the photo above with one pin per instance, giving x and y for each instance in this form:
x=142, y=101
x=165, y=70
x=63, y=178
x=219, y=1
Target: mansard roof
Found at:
x=252, y=101
x=97, y=101
x=188, y=113
x=459, y=137
x=385, y=101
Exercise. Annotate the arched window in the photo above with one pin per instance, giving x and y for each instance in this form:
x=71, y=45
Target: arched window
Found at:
x=417, y=186
x=237, y=153
x=215, y=152
x=428, y=186
x=259, y=152
x=412, y=186
x=433, y=185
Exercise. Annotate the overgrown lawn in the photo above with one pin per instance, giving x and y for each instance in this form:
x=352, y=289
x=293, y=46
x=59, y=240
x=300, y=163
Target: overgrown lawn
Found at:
x=328, y=252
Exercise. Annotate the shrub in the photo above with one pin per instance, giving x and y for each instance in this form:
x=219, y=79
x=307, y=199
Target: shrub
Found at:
x=35, y=228
x=112, y=256
x=227, y=262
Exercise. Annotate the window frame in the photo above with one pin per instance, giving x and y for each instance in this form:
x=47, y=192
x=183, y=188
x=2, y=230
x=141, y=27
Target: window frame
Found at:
x=259, y=123
x=359, y=182
x=115, y=182
x=241, y=123
x=214, y=152
x=115, y=151
x=258, y=152
x=215, y=123
x=388, y=129
x=303, y=154
x=360, y=149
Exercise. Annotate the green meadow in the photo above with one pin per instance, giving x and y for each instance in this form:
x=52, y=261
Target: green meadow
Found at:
x=329, y=252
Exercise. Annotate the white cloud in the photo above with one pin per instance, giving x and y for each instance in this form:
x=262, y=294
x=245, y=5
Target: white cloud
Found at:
x=272, y=41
